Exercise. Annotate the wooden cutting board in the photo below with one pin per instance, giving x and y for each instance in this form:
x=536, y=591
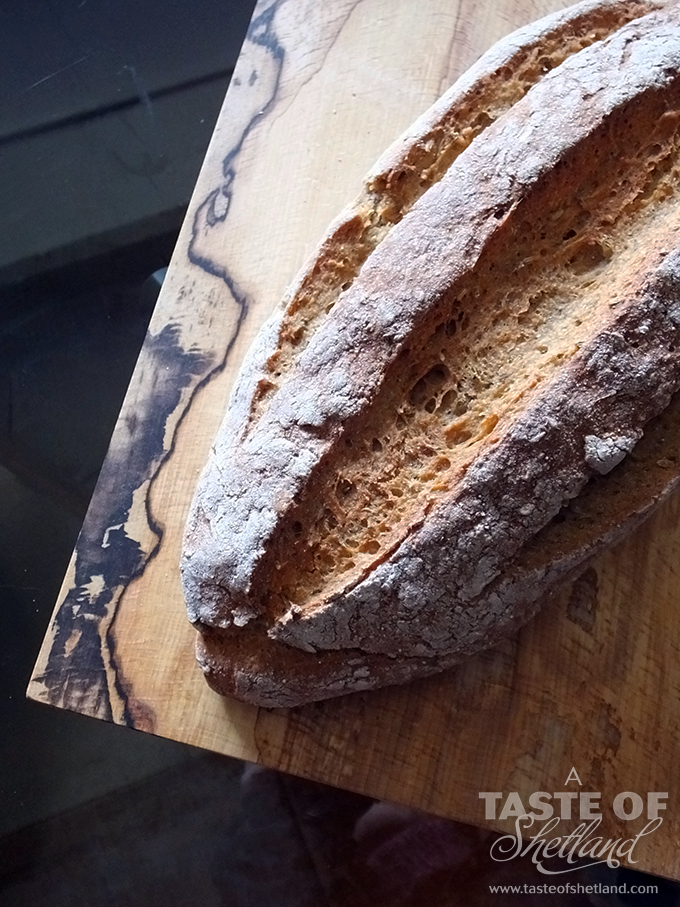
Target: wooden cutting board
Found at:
x=319, y=91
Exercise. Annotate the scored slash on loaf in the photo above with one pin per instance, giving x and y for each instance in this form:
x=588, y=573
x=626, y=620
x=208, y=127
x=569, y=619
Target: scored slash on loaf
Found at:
x=478, y=344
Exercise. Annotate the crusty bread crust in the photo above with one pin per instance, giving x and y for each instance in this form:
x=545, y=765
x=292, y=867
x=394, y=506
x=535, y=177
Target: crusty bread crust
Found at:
x=405, y=589
x=405, y=171
x=258, y=670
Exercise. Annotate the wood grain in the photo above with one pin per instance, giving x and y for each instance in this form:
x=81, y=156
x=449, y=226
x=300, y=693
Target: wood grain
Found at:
x=319, y=91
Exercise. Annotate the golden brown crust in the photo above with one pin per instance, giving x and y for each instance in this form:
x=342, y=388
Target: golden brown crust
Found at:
x=427, y=584
x=407, y=169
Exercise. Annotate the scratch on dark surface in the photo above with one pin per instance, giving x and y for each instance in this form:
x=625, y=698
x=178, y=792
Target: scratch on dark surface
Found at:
x=57, y=72
x=142, y=91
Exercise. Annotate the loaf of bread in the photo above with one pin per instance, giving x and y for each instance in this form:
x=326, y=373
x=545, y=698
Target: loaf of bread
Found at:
x=426, y=438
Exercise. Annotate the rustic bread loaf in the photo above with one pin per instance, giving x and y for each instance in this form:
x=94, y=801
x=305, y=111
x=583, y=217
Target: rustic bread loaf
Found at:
x=379, y=502
x=245, y=664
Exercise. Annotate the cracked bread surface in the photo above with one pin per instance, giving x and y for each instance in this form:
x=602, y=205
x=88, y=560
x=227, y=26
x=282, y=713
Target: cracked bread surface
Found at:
x=409, y=167
x=540, y=292
x=250, y=666
x=440, y=368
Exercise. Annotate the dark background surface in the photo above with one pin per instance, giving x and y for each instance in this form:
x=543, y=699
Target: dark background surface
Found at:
x=106, y=110
x=101, y=100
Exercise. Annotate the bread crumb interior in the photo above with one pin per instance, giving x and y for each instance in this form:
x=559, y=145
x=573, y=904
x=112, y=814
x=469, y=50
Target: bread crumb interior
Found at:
x=546, y=283
x=391, y=193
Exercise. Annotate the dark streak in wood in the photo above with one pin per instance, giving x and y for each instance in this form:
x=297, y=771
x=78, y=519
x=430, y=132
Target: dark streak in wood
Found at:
x=82, y=668
x=215, y=208
x=107, y=559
